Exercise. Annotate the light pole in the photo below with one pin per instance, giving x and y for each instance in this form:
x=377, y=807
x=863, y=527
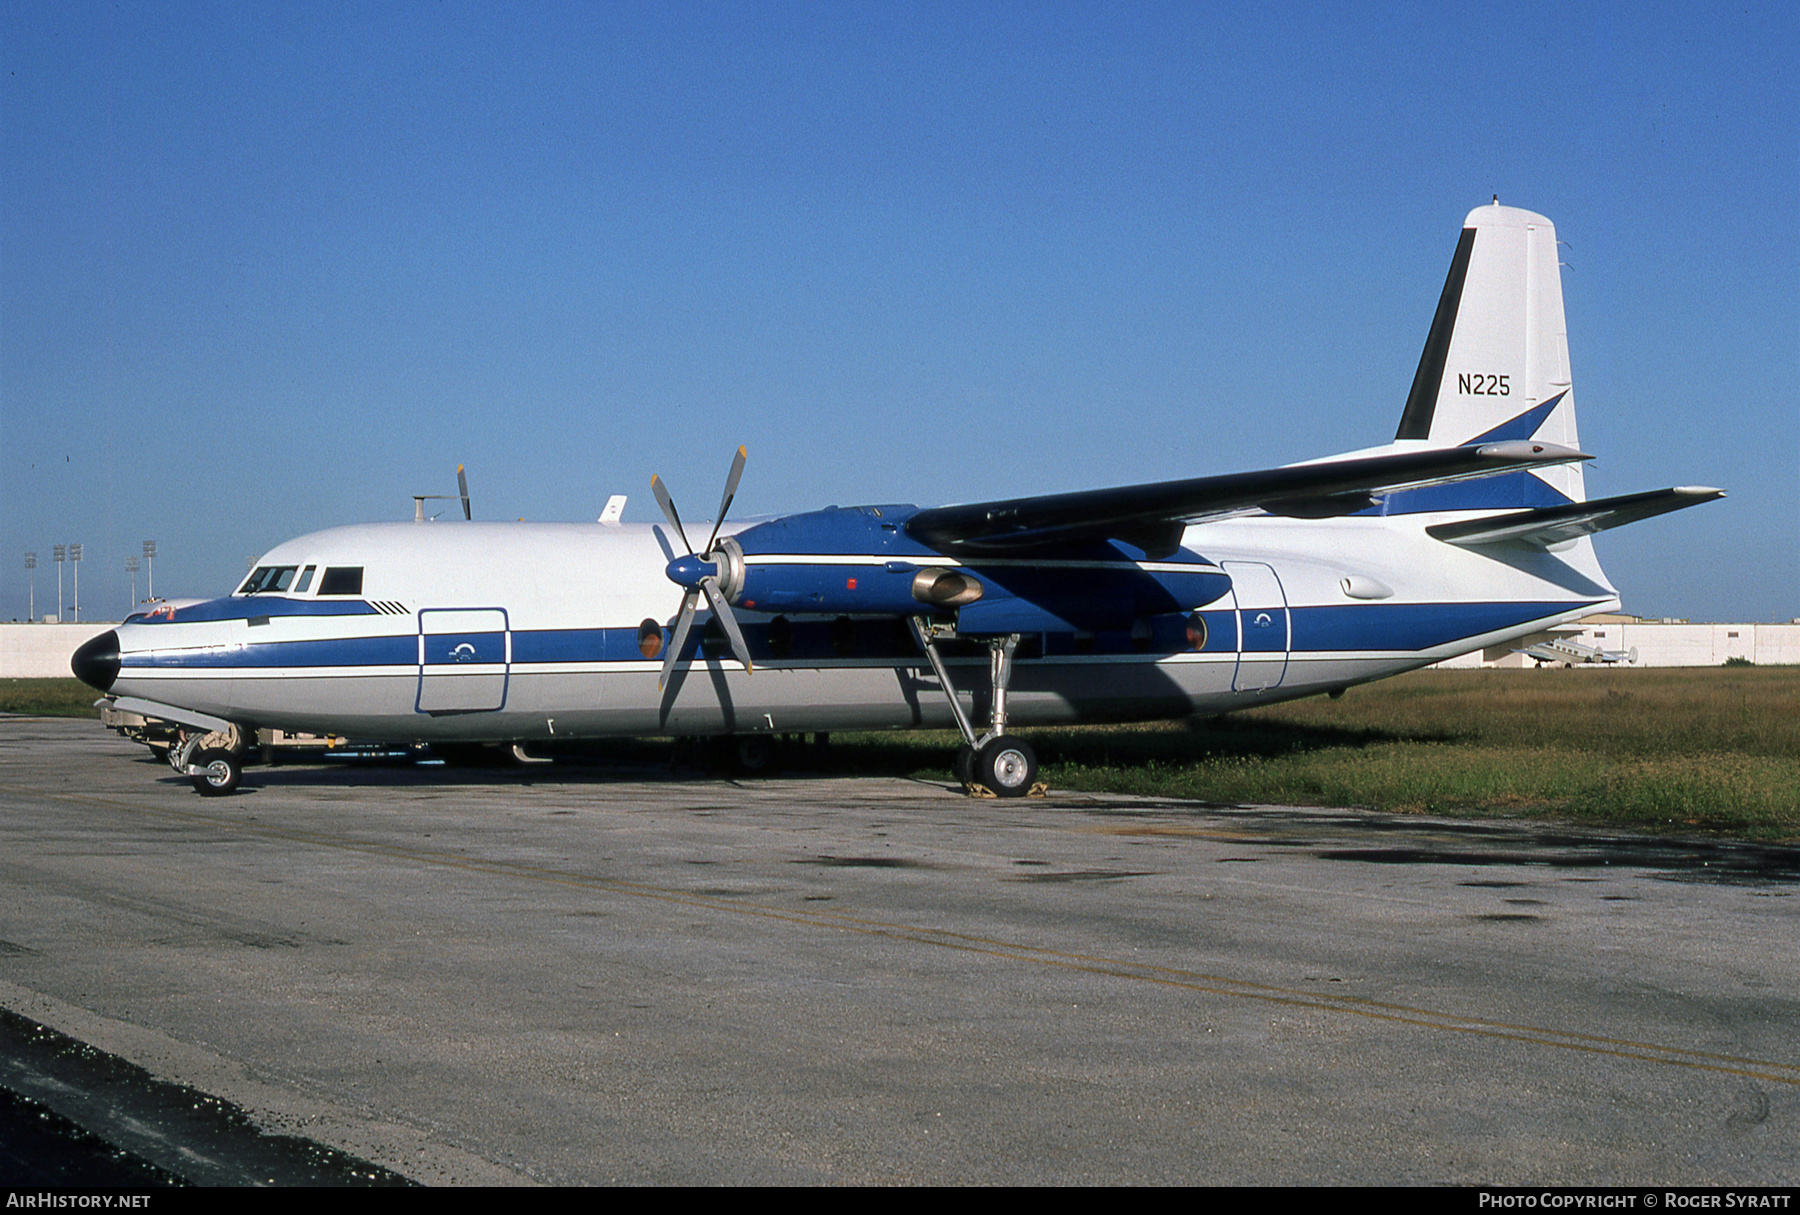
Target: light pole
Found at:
x=31, y=574
x=150, y=567
x=131, y=567
x=75, y=557
x=59, y=553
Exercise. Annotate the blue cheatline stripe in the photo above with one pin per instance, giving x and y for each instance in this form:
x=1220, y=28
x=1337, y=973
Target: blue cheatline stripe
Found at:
x=575, y=645
x=1412, y=626
x=330, y=652
x=1521, y=427
x=251, y=606
x=1387, y=627
x=449, y=649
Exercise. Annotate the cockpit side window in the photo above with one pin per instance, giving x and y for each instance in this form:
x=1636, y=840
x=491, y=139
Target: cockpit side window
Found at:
x=305, y=580
x=341, y=580
x=268, y=579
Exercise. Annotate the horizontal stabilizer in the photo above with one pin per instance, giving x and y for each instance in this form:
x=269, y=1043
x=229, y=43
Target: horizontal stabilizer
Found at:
x=1549, y=525
x=1151, y=516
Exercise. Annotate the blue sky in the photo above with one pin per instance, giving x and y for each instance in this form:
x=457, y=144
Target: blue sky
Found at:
x=270, y=268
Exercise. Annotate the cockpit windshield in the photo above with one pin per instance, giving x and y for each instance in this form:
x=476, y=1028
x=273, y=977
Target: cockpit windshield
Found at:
x=268, y=579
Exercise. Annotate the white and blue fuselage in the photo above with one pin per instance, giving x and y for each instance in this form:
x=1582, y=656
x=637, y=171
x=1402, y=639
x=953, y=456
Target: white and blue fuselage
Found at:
x=1471, y=529
x=535, y=631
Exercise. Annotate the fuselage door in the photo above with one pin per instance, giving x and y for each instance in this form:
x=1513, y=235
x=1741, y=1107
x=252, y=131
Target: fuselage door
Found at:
x=465, y=655
x=1262, y=614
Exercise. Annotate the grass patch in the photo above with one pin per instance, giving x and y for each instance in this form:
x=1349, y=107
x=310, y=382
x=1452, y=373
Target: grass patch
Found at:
x=48, y=698
x=1713, y=749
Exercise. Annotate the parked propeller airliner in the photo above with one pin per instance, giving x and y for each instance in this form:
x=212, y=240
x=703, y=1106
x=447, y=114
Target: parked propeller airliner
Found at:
x=1470, y=529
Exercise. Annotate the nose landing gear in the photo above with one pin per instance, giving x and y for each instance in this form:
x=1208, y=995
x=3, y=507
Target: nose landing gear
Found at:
x=213, y=762
x=216, y=772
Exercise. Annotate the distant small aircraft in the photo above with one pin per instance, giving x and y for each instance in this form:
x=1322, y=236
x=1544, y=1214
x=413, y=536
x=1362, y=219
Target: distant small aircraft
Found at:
x=1470, y=529
x=1568, y=653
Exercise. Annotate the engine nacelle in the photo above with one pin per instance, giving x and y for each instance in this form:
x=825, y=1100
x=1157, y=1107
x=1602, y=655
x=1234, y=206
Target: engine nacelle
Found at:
x=855, y=561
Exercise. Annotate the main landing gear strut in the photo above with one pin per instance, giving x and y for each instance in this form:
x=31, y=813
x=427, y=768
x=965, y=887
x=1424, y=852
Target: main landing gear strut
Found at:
x=1003, y=765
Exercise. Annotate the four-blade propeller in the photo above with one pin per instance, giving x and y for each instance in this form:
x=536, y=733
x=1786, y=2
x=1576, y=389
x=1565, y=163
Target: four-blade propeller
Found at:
x=700, y=573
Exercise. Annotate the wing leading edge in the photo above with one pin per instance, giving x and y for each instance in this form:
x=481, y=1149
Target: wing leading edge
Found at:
x=1152, y=516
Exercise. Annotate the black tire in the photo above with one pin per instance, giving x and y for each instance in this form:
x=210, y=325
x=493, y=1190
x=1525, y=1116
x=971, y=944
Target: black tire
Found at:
x=472, y=755
x=220, y=772
x=964, y=764
x=753, y=754
x=1007, y=766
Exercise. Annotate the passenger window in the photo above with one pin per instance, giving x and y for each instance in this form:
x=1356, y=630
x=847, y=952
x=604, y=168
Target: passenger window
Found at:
x=341, y=580
x=1196, y=631
x=650, y=638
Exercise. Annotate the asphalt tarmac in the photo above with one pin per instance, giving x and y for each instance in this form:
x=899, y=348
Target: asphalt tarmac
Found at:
x=580, y=974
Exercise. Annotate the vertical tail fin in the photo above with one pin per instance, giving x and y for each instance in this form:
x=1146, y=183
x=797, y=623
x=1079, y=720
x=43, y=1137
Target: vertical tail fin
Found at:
x=1496, y=363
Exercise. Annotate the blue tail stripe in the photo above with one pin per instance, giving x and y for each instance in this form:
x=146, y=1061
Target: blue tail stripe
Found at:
x=1521, y=427
x=1515, y=490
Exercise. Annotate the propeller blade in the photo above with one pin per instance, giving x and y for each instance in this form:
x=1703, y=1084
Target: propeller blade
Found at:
x=710, y=585
x=682, y=625
x=731, y=484
x=668, y=508
x=722, y=610
x=462, y=482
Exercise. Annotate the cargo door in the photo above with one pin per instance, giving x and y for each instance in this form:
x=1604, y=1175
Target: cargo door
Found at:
x=1263, y=626
x=465, y=655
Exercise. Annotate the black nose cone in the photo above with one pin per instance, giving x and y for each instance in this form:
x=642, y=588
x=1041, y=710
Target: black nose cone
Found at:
x=96, y=663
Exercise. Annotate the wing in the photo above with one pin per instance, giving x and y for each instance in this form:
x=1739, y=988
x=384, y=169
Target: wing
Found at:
x=1547, y=525
x=1152, y=516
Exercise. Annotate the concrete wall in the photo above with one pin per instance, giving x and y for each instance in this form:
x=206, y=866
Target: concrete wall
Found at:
x=1697, y=645
x=41, y=651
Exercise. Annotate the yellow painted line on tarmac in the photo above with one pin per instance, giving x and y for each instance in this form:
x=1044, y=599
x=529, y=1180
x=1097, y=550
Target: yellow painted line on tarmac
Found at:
x=1773, y=1071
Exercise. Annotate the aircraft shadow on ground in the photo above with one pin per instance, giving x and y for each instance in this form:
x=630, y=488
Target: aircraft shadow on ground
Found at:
x=919, y=754
x=1381, y=839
